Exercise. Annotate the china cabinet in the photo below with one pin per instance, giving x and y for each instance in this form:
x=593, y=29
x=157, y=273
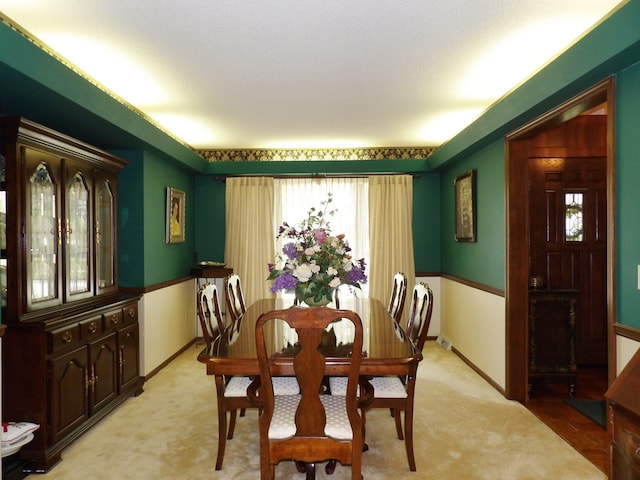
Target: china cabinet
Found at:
x=71, y=349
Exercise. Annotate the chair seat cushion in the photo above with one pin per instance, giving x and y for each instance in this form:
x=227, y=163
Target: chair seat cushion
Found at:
x=285, y=386
x=388, y=387
x=237, y=386
x=283, y=422
x=383, y=387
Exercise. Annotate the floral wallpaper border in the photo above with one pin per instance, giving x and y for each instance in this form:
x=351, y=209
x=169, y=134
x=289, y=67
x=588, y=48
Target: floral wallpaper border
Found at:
x=266, y=155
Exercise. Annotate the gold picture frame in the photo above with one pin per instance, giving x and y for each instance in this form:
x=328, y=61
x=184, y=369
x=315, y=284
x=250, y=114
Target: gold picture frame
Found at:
x=465, y=208
x=175, y=222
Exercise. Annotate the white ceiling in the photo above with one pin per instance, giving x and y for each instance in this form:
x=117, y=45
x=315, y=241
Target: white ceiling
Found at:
x=309, y=73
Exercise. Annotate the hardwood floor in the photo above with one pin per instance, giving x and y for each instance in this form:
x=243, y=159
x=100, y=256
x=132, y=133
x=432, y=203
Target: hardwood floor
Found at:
x=586, y=436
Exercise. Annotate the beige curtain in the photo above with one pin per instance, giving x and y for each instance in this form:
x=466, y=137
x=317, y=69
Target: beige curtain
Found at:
x=391, y=235
x=249, y=237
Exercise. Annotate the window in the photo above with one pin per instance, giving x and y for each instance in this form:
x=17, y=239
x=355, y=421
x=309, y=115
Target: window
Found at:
x=295, y=196
x=573, y=217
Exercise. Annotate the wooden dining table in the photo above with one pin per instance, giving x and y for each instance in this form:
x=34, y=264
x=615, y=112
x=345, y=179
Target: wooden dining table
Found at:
x=386, y=348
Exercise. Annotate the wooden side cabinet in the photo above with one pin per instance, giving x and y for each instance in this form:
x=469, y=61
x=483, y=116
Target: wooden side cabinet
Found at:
x=552, y=320
x=623, y=415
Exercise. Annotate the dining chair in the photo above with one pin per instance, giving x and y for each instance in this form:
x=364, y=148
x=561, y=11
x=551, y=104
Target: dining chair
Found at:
x=231, y=390
x=309, y=427
x=394, y=392
x=235, y=297
x=398, y=294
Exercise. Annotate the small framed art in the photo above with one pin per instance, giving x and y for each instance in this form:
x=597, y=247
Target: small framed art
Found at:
x=465, y=208
x=175, y=215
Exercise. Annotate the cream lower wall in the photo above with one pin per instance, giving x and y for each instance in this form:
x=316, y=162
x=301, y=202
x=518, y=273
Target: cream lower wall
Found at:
x=167, y=323
x=625, y=349
x=473, y=321
x=434, y=283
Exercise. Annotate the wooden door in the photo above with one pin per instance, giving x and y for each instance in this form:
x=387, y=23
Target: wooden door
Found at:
x=567, y=201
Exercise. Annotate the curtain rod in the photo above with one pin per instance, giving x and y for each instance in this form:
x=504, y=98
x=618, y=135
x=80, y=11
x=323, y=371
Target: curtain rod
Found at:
x=315, y=175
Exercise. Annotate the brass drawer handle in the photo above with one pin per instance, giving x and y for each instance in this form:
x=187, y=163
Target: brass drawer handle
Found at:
x=114, y=319
x=131, y=312
x=93, y=328
x=67, y=336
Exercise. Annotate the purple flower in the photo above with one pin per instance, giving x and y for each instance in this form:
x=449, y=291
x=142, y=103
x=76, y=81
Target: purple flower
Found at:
x=320, y=235
x=290, y=250
x=356, y=274
x=284, y=282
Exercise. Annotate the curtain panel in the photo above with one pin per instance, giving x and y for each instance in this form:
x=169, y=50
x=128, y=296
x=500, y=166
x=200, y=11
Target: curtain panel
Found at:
x=249, y=234
x=391, y=235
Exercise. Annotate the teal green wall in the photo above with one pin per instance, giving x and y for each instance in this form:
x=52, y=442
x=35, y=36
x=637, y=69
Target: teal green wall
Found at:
x=482, y=261
x=145, y=257
x=628, y=195
x=426, y=223
x=209, y=218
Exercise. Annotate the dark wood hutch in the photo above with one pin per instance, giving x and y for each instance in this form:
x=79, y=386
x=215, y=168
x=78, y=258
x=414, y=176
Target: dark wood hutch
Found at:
x=71, y=346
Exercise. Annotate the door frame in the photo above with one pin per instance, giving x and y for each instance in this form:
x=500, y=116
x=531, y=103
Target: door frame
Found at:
x=517, y=232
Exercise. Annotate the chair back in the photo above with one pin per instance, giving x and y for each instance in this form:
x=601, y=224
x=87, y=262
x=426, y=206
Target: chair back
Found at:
x=398, y=295
x=235, y=297
x=209, y=314
x=420, y=314
x=309, y=442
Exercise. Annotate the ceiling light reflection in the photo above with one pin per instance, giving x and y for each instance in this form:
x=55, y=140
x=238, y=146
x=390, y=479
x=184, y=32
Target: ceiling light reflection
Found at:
x=308, y=144
x=518, y=56
x=131, y=82
x=440, y=128
x=187, y=128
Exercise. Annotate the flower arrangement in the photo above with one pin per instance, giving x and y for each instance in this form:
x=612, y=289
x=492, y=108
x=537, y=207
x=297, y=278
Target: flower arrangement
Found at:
x=314, y=262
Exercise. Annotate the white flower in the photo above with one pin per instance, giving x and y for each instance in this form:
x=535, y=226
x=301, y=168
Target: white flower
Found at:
x=303, y=272
x=335, y=283
x=332, y=271
x=315, y=268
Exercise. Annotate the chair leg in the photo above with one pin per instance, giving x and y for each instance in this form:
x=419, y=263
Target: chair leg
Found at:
x=311, y=471
x=222, y=421
x=243, y=411
x=222, y=437
x=331, y=467
x=408, y=434
x=232, y=424
x=396, y=417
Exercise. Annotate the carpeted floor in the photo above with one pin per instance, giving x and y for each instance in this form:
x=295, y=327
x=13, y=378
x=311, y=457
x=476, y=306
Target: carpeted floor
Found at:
x=464, y=429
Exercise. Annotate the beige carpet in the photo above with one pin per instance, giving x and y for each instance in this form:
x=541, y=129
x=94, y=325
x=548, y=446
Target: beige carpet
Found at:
x=464, y=430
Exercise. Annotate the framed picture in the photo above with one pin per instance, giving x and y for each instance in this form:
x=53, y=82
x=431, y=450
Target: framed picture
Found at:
x=175, y=215
x=465, y=194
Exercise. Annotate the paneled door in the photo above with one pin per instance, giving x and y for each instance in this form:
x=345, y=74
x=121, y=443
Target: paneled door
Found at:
x=568, y=215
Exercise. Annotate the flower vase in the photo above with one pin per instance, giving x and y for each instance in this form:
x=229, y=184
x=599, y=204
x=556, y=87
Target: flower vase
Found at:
x=312, y=301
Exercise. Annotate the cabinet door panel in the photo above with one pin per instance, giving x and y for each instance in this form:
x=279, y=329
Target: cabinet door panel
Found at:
x=104, y=377
x=105, y=232
x=129, y=356
x=43, y=226
x=69, y=396
x=77, y=230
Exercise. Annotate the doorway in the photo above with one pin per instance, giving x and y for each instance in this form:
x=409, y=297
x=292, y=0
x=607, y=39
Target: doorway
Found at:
x=567, y=187
x=519, y=146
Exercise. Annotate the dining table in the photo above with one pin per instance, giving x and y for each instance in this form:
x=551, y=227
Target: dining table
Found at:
x=387, y=350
